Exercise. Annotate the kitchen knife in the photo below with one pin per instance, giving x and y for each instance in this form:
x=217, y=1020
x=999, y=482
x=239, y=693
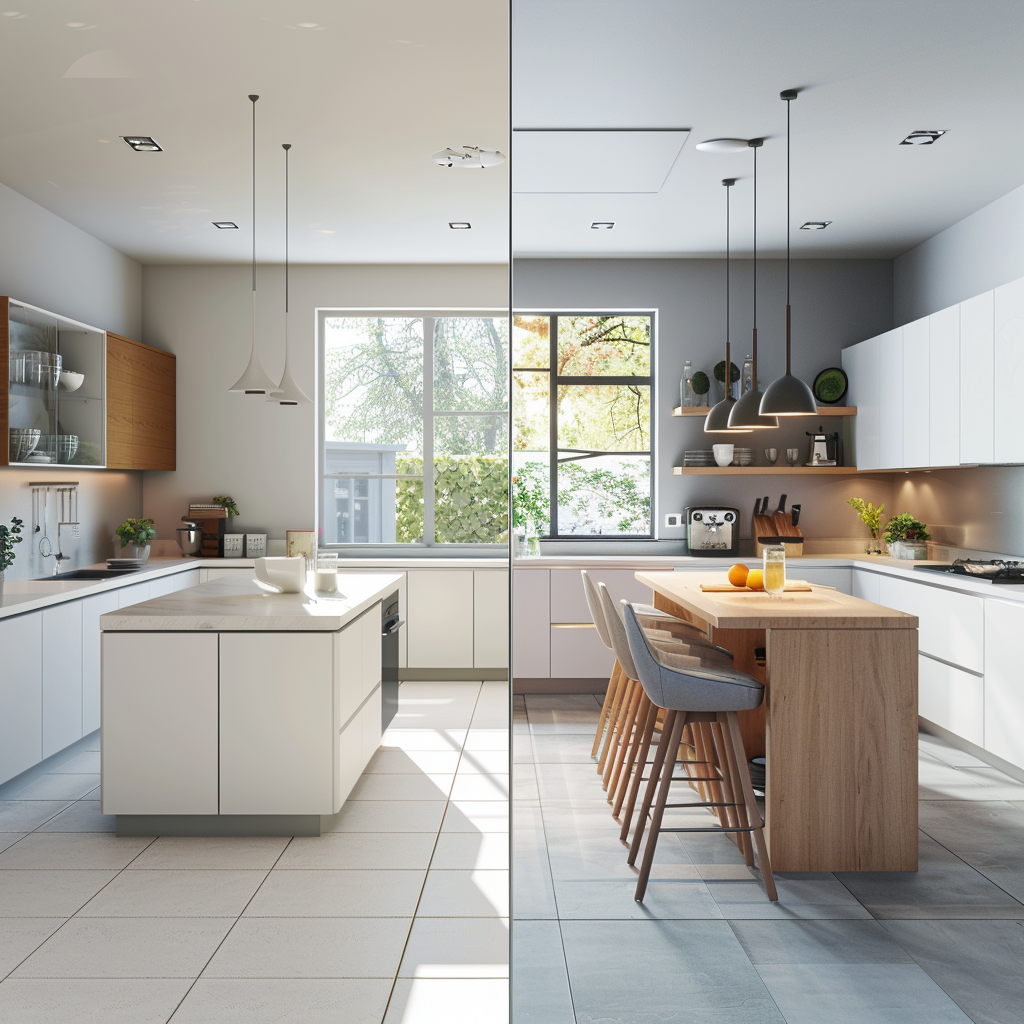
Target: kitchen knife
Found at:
x=796, y=514
x=782, y=505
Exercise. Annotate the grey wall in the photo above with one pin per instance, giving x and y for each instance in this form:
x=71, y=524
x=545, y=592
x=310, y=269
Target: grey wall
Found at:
x=264, y=456
x=48, y=262
x=835, y=303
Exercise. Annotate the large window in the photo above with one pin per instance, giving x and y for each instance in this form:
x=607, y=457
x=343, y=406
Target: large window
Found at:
x=415, y=429
x=581, y=424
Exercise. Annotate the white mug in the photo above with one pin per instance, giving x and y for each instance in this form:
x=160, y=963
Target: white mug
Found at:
x=281, y=575
x=723, y=453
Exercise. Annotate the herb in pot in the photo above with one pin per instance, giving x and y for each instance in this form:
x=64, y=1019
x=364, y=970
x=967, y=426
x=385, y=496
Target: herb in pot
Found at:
x=700, y=383
x=9, y=536
x=228, y=503
x=136, y=531
x=905, y=527
x=734, y=374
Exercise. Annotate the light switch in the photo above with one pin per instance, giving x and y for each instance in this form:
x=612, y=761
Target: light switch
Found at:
x=673, y=519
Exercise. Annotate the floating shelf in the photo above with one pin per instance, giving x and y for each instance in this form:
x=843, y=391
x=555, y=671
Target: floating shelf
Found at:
x=763, y=470
x=823, y=410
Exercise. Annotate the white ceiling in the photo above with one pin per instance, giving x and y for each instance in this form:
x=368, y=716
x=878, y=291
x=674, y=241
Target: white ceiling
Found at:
x=364, y=99
x=869, y=71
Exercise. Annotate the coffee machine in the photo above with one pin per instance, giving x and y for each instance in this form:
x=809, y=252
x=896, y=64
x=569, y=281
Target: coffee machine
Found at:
x=825, y=449
x=712, y=530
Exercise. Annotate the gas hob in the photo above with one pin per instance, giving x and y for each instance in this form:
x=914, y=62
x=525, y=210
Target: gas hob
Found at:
x=994, y=571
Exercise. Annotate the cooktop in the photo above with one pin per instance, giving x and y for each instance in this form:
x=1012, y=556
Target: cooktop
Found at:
x=994, y=570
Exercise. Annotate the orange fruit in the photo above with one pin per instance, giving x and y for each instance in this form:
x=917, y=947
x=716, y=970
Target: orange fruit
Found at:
x=755, y=579
x=738, y=574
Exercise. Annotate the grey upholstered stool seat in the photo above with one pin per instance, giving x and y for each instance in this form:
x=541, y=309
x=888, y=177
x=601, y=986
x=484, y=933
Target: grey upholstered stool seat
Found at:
x=706, y=697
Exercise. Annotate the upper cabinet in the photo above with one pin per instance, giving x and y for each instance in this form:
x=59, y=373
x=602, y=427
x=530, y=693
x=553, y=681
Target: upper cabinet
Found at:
x=1008, y=348
x=860, y=363
x=944, y=388
x=977, y=364
x=889, y=386
x=915, y=394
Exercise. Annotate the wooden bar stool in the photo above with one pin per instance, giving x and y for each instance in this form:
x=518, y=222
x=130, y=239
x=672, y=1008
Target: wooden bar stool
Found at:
x=709, y=699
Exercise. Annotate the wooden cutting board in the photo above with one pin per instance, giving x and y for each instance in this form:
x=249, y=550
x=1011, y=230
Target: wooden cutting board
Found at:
x=764, y=526
x=784, y=528
x=728, y=588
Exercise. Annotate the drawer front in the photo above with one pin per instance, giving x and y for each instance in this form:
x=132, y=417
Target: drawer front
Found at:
x=867, y=586
x=952, y=626
x=578, y=653
x=1004, y=692
x=839, y=577
x=531, y=624
x=569, y=603
x=952, y=698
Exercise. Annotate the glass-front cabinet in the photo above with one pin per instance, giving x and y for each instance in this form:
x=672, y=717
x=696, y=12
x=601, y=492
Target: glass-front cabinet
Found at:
x=56, y=388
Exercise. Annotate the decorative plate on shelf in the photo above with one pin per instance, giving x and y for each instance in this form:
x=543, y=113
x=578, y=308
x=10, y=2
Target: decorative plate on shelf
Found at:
x=830, y=385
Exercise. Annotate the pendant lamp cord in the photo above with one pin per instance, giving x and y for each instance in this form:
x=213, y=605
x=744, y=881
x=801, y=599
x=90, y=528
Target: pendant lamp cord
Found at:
x=755, y=145
x=254, y=99
x=789, y=100
x=728, y=185
x=286, y=146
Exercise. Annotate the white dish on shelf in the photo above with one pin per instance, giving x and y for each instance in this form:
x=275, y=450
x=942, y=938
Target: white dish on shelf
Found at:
x=71, y=381
x=38, y=457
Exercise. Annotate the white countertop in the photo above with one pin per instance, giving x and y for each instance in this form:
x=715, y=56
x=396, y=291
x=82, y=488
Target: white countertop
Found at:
x=240, y=605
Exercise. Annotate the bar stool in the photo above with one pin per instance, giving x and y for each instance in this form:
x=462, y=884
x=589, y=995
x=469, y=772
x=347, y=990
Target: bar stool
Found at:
x=697, y=696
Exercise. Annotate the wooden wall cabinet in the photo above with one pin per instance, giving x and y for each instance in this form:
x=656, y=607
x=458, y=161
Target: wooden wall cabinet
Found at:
x=140, y=405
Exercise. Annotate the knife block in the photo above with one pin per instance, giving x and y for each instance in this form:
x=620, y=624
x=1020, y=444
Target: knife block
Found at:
x=781, y=527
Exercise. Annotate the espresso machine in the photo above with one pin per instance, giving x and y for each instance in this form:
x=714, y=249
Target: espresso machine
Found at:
x=825, y=449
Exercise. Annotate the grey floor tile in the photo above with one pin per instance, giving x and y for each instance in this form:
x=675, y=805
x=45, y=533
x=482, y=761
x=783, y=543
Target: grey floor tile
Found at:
x=457, y=948
x=791, y=891
x=170, y=892
x=285, y=1001
x=83, y=816
x=211, y=852
x=311, y=948
x=562, y=749
x=976, y=963
x=390, y=816
x=90, y=1001
x=533, y=895
x=465, y=894
x=52, y=787
x=942, y=751
x=994, y=784
x=591, y=855
x=127, y=948
x=467, y=850
x=360, y=851
x=613, y=900
x=580, y=814
x=819, y=942
x=630, y=971
x=85, y=763
x=526, y=816
x=19, y=936
x=859, y=994
x=540, y=985
x=8, y=839
x=402, y=787
x=524, y=783
x=330, y=893
x=26, y=815
x=73, y=850
x=49, y=893
x=449, y=1001
x=939, y=781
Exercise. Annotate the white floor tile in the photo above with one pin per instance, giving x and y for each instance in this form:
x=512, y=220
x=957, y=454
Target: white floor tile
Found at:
x=332, y=893
x=464, y=948
x=214, y=852
x=360, y=850
x=8, y=839
x=19, y=936
x=90, y=1001
x=83, y=816
x=169, y=892
x=412, y=738
x=484, y=762
x=480, y=787
x=487, y=739
x=476, y=816
x=465, y=894
x=390, y=816
x=52, y=787
x=25, y=815
x=85, y=763
x=485, y=851
x=412, y=762
x=73, y=850
x=402, y=787
x=53, y=893
x=449, y=1001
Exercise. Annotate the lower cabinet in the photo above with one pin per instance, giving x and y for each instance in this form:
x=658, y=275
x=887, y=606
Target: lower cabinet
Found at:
x=92, y=608
x=531, y=623
x=1004, y=686
x=490, y=618
x=867, y=586
x=840, y=577
x=21, y=693
x=952, y=698
x=440, y=624
x=577, y=652
x=62, y=676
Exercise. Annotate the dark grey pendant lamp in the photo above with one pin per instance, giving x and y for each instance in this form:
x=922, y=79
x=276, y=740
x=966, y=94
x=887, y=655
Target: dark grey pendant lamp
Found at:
x=788, y=395
x=746, y=413
x=717, y=421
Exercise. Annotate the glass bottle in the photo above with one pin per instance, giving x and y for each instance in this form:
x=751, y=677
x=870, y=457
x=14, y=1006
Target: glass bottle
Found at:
x=775, y=569
x=747, y=375
x=686, y=395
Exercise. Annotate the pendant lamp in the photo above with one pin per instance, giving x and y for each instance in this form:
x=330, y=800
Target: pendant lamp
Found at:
x=746, y=413
x=789, y=395
x=288, y=392
x=255, y=380
x=717, y=421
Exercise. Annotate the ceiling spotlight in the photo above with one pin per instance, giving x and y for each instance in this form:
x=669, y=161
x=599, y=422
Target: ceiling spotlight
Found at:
x=225, y=225
x=924, y=138
x=143, y=143
x=722, y=145
x=459, y=225
x=815, y=225
x=602, y=225
x=471, y=156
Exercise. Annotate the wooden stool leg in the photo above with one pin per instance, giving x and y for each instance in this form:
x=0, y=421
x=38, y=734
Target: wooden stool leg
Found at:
x=613, y=715
x=736, y=817
x=629, y=764
x=609, y=696
x=659, y=808
x=641, y=763
x=631, y=726
x=615, y=739
x=660, y=756
x=735, y=739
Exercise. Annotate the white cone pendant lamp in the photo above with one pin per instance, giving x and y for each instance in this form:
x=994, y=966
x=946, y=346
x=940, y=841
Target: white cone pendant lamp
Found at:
x=746, y=413
x=789, y=395
x=288, y=392
x=717, y=421
x=255, y=380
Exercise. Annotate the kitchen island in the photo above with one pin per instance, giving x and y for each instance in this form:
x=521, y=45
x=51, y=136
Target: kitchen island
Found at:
x=227, y=710
x=839, y=723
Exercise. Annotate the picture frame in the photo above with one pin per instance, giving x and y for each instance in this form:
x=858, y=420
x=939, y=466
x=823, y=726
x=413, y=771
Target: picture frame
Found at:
x=300, y=543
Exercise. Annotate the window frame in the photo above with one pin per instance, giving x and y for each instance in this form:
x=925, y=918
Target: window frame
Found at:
x=426, y=549
x=553, y=381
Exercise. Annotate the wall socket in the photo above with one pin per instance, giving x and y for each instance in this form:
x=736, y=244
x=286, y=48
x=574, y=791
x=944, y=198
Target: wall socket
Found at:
x=673, y=519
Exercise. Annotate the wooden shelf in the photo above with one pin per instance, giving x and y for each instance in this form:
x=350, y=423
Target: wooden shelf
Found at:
x=823, y=410
x=763, y=470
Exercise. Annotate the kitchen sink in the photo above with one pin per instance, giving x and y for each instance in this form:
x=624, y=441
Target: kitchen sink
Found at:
x=88, y=574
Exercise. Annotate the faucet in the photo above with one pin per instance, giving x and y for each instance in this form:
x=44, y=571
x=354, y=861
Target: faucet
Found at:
x=57, y=559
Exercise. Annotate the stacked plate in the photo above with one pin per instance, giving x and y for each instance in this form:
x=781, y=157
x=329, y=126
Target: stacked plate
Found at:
x=126, y=563
x=699, y=458
x=742, y=457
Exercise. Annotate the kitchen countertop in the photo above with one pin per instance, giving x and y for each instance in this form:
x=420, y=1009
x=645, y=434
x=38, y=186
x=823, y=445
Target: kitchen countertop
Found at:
x=240, y=606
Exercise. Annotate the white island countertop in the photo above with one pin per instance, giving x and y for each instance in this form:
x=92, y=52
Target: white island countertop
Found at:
x=240, y=606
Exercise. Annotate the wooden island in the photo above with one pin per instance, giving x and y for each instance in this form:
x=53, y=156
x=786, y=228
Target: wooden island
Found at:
x=839, y=722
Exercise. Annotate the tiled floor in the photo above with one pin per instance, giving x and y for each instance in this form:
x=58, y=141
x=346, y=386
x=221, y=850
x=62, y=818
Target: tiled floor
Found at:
x=400, y=914
x=945, y=944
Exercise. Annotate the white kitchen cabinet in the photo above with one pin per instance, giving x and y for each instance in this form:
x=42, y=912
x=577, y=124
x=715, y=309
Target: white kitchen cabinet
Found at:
x=860, y=362
x=577, y=652
x=531, y=623
x=160, y=710
x=952, y=698
x=916, y=415
x=839, y=576
x=890, y=400
x=867, y=586
x=21, y=693
x=92, y=608
x=162, y=586
x=368, y=626
x=569, y=600
x=62, y=676
x=490, y=618
x=186, y=579
x=226, y=572
x=1009, y=373
x=1004, y=692
x=277, y=739
x=133, y=594
x=976, y=379
x=348, y=655
x=440, y=622
x=944, y=387
x=951, y=626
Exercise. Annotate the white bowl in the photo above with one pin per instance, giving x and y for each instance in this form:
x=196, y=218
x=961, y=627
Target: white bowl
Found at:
x=71, y=381
x=723, y=453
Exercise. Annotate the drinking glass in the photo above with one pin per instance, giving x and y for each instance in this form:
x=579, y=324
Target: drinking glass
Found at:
x=771, y=454
x=775, y=569
x=793, y=455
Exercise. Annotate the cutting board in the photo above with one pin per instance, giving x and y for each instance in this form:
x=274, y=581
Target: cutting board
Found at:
x=728, y=588
x=784, y=528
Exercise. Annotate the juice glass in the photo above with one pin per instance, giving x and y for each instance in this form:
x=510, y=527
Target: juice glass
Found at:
x=775, y=569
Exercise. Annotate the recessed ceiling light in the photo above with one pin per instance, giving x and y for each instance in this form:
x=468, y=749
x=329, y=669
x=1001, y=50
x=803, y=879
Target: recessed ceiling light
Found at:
x=459, y=225
x=602, y=225
x=143, y=143
x=13, y=14
x=722, y=145
x=77, y=24
x=923, y=138
x=815, y=225
x=471, y=156
x=225, y=225
x=308, y=24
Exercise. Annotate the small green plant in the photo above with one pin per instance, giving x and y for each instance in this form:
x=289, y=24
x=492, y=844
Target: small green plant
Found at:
x=869, y=514
x=905, y=527
x=700, y=383
x=9, y=536
x=136, y=531
x=720, y=371
x=228, y=503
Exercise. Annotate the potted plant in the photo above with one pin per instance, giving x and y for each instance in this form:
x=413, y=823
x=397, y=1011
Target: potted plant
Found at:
x=701, y=386
x=906, y=537
x=135, y=536
x=734, y=378
x=9, y=536
x=871, y=516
